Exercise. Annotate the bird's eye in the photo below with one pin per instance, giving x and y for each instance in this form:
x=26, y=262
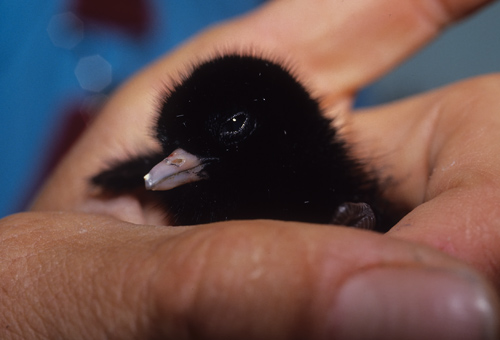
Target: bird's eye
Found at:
x=237, y=127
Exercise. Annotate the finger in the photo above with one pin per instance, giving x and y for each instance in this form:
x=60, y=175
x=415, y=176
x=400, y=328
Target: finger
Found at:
x=439, y=152
x=94, y=277
x=340, y=46
x=305, y=286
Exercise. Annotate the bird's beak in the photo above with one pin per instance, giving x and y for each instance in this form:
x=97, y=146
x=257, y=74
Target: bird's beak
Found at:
x=179, y=168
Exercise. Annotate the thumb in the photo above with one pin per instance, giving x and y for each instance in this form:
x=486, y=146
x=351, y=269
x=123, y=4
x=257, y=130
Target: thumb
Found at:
x=72, y=276
x=275, y=280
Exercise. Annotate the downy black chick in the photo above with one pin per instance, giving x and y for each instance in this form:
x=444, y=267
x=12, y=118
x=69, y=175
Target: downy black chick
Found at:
x=243, y=139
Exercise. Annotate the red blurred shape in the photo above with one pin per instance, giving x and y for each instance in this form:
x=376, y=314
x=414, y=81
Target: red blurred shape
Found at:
x=130, y=16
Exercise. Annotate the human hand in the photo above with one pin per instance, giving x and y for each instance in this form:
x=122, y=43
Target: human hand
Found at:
x=279, y=279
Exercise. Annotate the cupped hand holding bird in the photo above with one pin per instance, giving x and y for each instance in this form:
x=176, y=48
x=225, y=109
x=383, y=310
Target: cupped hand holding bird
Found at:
x=103, y=269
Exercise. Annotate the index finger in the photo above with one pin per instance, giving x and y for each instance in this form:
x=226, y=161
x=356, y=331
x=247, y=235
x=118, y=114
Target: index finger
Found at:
x=340, y=46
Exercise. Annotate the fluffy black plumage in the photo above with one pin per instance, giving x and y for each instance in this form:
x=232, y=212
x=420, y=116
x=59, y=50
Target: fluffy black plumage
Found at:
x=262, y=148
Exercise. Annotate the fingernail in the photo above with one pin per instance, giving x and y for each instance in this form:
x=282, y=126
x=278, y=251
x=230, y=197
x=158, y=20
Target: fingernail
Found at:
x=414, y=303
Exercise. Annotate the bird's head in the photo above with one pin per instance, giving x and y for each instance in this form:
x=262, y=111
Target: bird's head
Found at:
x=237, y=113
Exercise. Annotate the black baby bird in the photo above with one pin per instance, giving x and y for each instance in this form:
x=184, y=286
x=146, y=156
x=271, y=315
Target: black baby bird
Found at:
x=243, y=139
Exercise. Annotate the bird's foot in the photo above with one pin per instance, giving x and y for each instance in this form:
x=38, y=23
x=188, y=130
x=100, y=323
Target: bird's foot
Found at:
x=358, y=215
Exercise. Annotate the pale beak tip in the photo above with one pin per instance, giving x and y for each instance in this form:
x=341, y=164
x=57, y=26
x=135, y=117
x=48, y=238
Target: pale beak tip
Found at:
x=148, y=182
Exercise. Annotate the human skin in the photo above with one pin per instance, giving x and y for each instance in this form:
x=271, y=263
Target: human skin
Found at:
x=81, y=267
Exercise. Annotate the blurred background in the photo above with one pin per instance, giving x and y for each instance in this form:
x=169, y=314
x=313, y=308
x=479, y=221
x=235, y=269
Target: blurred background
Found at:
x=61, y=59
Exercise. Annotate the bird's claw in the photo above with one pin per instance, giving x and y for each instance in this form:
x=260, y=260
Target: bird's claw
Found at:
x=358, y=215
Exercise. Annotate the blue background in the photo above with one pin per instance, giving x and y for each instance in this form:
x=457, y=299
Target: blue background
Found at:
x=39, y=56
